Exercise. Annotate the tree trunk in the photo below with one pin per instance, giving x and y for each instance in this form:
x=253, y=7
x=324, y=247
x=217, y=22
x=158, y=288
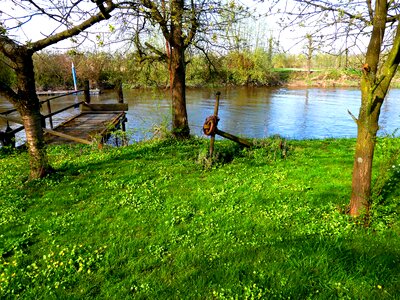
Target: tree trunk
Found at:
x=374, y=86
x=29, y=108
x=39, y=166
x=180, y=126
x=363, y=157
x=310, y=51
x=177, y=70
x=367, y=128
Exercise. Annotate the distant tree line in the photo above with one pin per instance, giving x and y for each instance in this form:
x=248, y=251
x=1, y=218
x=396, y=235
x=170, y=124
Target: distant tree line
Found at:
x=245, y=67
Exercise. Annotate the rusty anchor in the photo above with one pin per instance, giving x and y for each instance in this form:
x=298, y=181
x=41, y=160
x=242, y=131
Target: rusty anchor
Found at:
x=210, y=129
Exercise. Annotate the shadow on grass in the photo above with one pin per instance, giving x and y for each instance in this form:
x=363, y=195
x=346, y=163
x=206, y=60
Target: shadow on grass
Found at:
x=391, y=187
x=158, y=152
x=227, y=152
x=303, y=267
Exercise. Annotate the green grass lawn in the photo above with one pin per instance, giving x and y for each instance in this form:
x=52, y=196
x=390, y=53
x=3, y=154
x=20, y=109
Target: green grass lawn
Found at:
x=156, y=220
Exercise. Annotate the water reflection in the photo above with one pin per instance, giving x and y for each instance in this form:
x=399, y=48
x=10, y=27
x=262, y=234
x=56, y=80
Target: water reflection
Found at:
x=250, y=111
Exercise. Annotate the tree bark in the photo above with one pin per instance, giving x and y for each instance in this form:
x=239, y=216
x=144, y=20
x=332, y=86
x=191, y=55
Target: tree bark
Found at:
x=39, y=165
x=374, y=87
x=365, y=146
x=310, y=51
x=177, y=69
x=180, y=126
x=28, y=107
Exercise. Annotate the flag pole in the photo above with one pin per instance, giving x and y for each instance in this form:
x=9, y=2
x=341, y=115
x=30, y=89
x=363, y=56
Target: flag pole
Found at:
x=75, y=85
x=74, y=77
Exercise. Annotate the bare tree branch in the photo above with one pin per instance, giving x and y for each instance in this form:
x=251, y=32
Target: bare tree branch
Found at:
x=43, y=43
x=370, y=10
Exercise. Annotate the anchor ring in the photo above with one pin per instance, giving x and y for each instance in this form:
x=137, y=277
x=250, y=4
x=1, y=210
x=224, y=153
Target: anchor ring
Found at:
x=210, y=125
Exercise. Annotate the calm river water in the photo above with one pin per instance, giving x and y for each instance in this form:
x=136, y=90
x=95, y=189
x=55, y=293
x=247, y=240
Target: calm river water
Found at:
x=295, y=113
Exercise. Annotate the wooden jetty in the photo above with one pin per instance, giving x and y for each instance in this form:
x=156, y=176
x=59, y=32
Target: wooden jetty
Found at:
x=92, y=125
x=58, y=93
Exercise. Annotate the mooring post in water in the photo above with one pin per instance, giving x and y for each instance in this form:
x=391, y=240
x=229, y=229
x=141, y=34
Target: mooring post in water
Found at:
x=49, y=112
x=122, y=127
x=215, y=120
x=43, y=121
x=120, y=93
x=86, y=91
x=124, y=137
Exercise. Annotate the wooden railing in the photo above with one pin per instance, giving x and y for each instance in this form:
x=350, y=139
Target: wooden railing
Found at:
x=7, y=136
x=50, y=114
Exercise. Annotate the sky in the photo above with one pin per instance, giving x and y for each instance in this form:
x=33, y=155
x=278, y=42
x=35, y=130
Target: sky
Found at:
x=262, y=29
x=38, y=26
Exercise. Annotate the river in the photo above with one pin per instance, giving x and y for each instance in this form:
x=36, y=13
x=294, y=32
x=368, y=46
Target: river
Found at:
x=294, y=113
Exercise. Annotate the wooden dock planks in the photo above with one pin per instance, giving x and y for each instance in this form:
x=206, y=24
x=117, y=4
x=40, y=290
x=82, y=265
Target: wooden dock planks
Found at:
x=87, y=126
x=92, y=125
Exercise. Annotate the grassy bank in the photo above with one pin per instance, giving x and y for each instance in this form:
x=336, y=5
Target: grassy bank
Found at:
x=323, y=78
x=318, y=78
x=156, y=221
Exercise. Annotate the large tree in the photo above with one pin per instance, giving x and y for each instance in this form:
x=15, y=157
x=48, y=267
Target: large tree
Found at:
x=67, y=19
x=182, y=24
x=375, y=24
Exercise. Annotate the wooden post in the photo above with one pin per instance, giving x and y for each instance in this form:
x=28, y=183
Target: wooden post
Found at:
x=124, y=138
x=216, y=108
x=120, y=93
x=86, y=91
x=243, y=142
x=210, y=129
x=43, y=120
x=49, y=112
